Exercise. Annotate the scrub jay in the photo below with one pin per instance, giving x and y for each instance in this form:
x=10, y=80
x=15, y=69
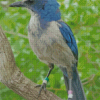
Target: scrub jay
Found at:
x=53, y=42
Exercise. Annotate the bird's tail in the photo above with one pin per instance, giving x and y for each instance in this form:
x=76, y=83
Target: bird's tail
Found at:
x=78, y=92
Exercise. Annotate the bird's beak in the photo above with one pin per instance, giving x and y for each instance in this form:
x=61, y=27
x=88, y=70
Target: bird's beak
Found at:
x=18, y=4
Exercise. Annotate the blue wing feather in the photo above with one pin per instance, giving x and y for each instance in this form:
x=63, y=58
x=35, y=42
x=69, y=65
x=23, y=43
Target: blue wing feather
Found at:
x=69, y=38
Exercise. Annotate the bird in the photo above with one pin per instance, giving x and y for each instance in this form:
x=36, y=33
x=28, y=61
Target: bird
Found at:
x=53, y=42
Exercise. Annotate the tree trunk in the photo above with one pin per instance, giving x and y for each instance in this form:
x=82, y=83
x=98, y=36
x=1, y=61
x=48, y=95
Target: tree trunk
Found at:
x=11, y=76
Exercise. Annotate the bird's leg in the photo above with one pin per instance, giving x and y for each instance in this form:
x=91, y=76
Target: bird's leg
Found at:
x=70, y=77
x=51, y=66
x=70, y=92
x=43, y=86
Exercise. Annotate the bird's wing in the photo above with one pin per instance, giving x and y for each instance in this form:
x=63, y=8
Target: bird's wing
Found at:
x=69, y=38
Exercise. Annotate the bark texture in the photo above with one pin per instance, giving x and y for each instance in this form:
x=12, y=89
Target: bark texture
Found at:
x=11, y=76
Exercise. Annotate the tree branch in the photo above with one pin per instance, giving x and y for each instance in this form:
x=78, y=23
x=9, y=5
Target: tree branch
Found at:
x=89, y=80
x=11, y=76
x=23, y=36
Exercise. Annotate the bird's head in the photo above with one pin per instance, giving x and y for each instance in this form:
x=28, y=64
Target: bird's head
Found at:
x=47, y=9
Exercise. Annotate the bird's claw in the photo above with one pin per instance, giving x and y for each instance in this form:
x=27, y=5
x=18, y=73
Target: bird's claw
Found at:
x=42, y=87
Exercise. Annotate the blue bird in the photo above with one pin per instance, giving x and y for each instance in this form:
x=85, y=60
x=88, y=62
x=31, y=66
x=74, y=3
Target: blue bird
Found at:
x=53, y=42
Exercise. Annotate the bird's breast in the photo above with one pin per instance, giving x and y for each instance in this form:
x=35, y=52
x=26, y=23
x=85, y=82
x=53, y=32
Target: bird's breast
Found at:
x=41, y=40
x=49, y=45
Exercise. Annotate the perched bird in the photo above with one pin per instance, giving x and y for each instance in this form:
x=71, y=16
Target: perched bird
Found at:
x=53, y=42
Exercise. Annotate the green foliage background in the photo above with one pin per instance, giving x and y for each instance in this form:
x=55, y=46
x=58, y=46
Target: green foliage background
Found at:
x=83, y=16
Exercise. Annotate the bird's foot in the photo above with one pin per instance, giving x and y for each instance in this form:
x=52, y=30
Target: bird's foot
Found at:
x=43, y=86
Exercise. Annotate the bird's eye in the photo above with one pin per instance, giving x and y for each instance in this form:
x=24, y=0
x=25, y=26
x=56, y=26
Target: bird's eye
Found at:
x=43, y=7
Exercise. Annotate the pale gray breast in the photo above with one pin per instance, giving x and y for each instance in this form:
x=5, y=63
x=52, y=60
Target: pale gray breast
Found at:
x=49, y=45
x=35, y=32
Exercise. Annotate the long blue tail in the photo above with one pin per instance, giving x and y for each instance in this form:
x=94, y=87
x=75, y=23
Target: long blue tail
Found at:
x=78, y=92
